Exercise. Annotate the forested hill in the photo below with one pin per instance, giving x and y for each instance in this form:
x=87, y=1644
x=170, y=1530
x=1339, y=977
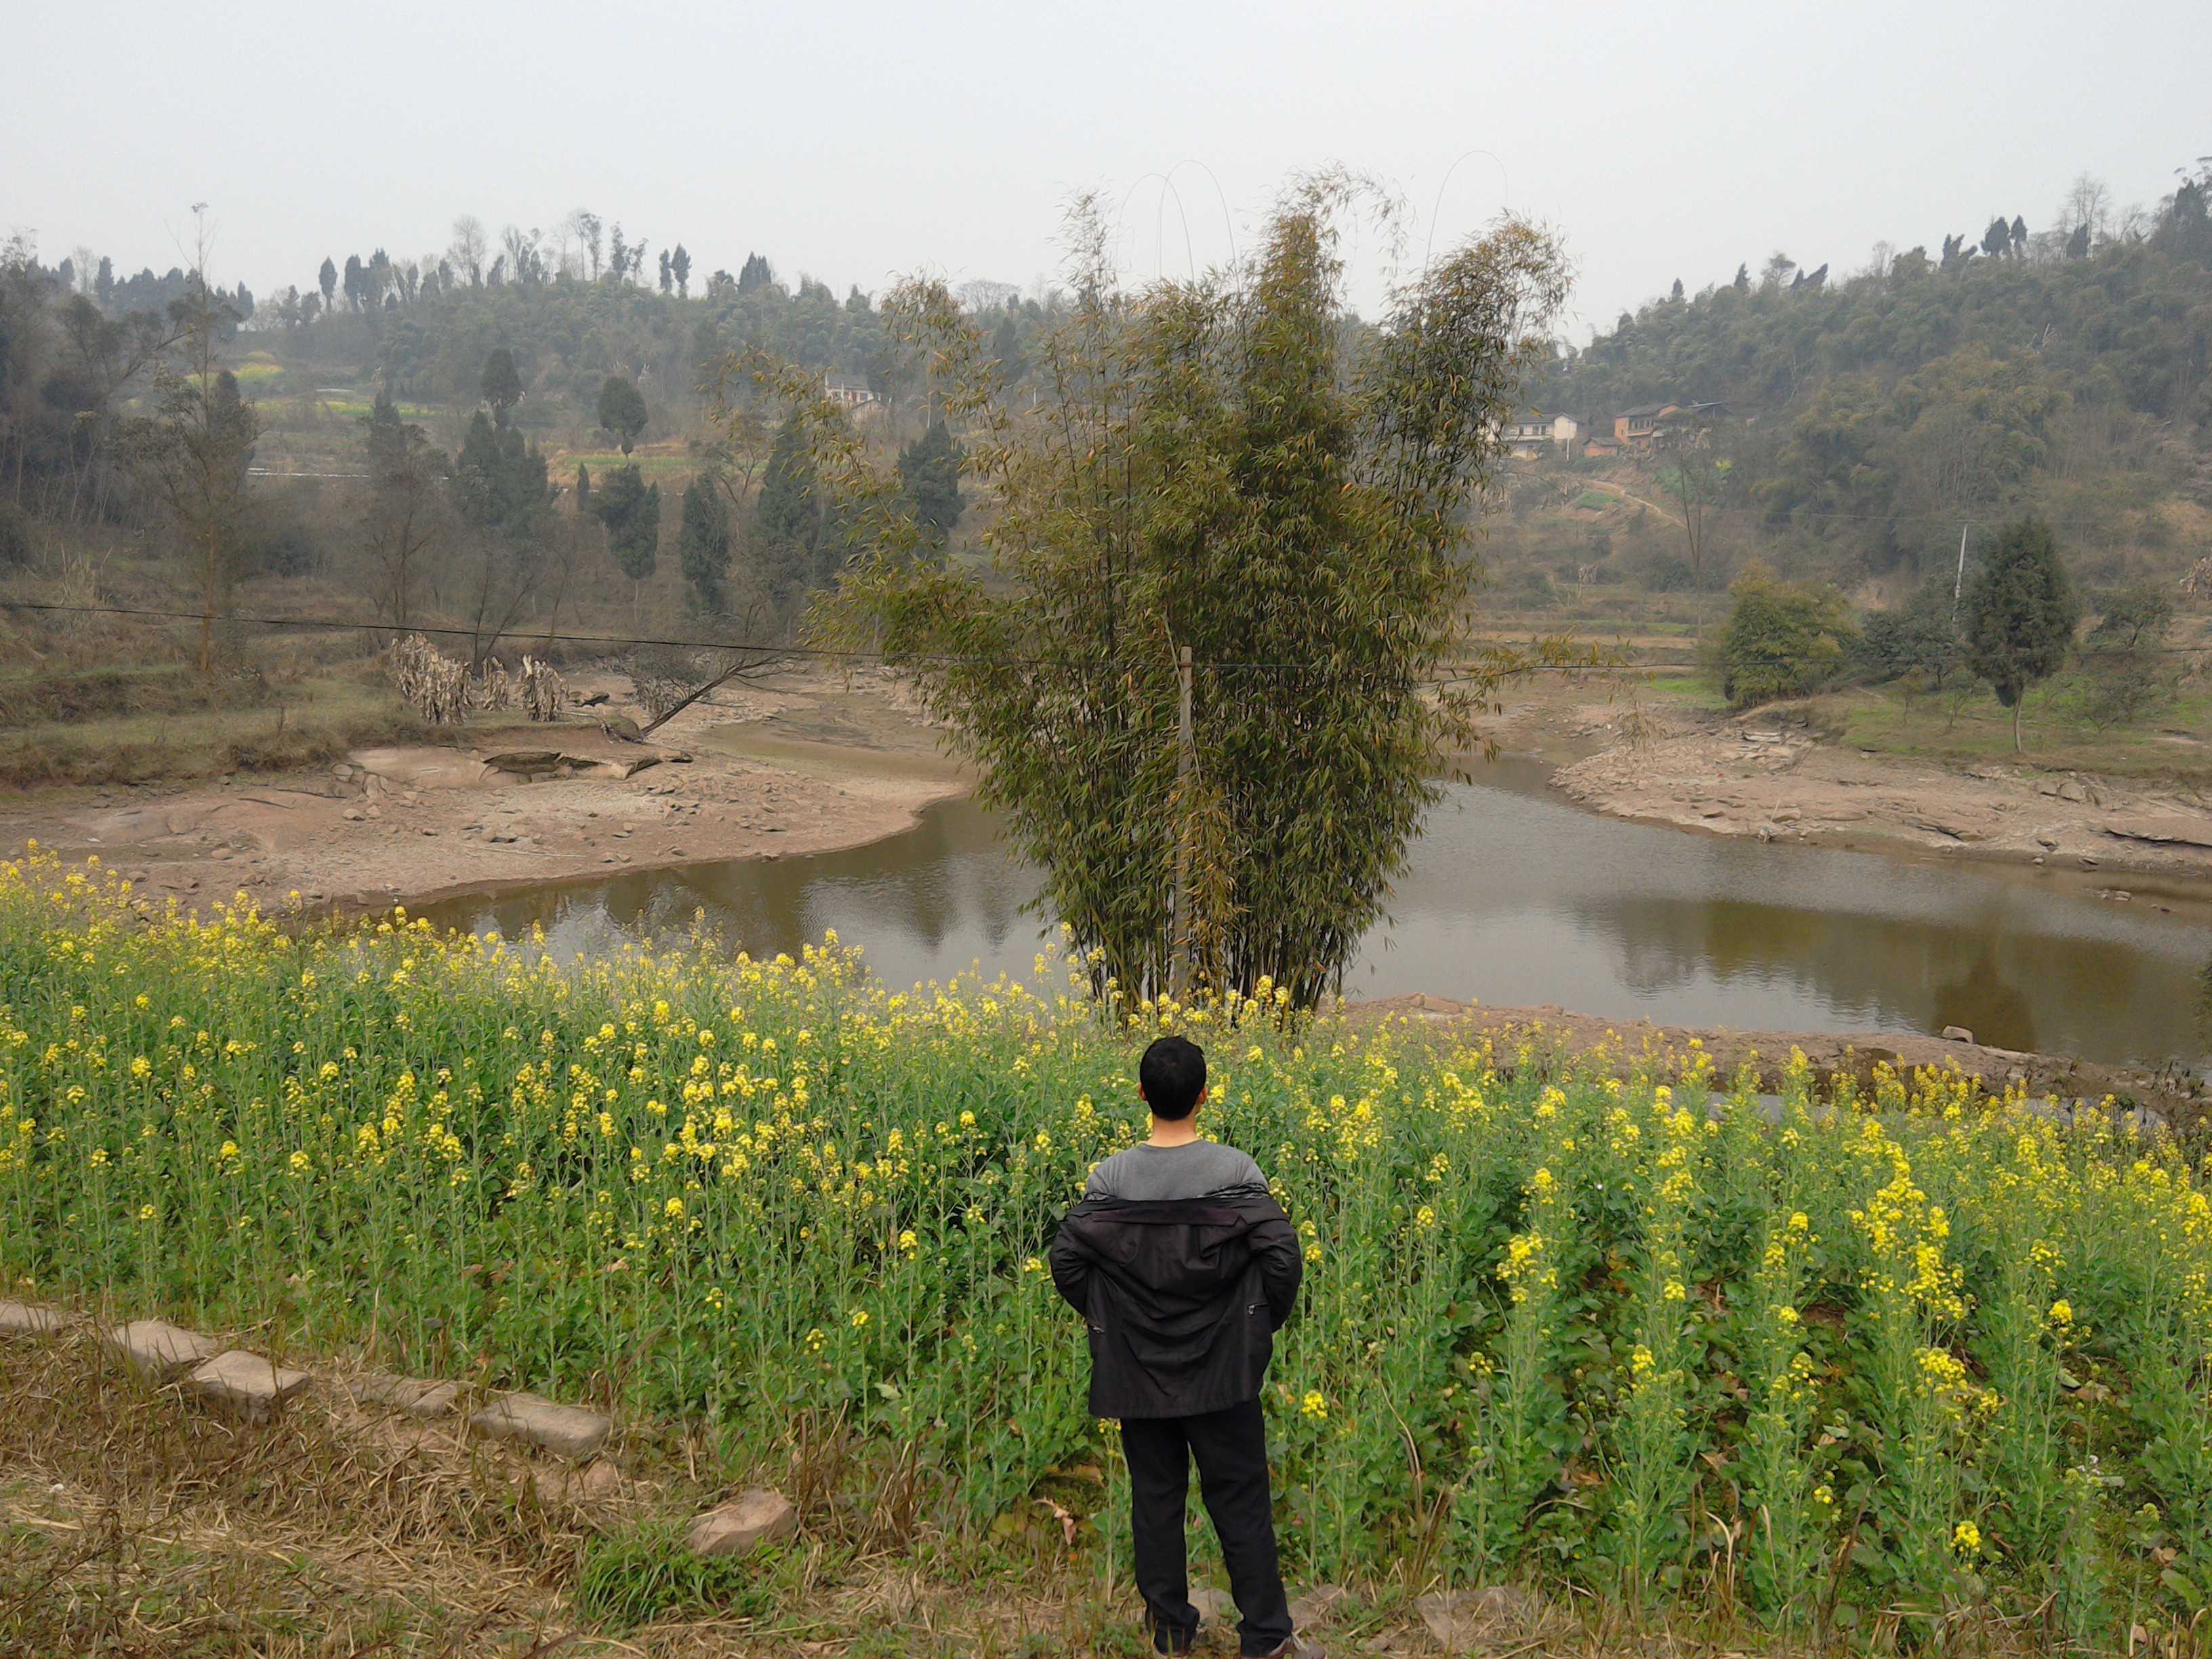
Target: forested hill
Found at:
x=1885, y=409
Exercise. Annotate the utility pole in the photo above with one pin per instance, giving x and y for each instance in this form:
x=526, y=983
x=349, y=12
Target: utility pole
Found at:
x=1959, y=581
x=1179, y=934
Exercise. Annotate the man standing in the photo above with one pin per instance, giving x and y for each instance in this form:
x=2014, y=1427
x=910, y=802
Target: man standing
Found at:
x=1183, y=1268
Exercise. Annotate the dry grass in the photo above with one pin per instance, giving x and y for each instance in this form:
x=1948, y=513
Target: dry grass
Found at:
x=135, y=1526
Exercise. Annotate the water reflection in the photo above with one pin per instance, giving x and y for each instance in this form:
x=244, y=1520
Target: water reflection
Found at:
x=1515, y=897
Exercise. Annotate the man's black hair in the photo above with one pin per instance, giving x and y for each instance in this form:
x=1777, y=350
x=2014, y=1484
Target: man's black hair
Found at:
x=1173, y=1072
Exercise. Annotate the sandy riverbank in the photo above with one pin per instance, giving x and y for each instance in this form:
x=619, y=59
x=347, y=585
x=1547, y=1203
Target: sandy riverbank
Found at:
x=1764, y=776
x=804, y=763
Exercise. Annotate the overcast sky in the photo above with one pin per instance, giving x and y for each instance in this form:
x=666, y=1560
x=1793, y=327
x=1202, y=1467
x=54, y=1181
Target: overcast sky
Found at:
x=859, y=140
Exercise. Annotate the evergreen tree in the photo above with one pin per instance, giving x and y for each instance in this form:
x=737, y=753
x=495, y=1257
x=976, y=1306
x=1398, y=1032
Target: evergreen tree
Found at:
x=2019, y=236
x=787, y=516
x=502, y=481
x=929, y=467
x=622, y=409
x=703, y=546
x=2020, y=614
x=328, y=277
x=1006, y=347
x=679, y=267
x=500, y=386
x=583, y=489
x=2077, y=244
x=667, y=277
x=630, y=507
x=756, y=272
x=1743, y=283
x=103, y=284
x=1675, y=294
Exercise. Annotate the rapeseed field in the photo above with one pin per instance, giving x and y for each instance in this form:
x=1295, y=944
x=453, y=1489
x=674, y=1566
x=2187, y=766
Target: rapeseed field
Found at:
x=1863, y=1363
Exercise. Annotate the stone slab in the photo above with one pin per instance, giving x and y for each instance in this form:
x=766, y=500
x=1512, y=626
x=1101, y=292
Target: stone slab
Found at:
x=744, y=1524
x=244, y=1384
x=29, y=1319
x=1460, y=1621
x=1215, y=1607
x=2176, y=831
x=569, y=1431
x=417, y=1396
x=157, y=1348
x=597, y=1482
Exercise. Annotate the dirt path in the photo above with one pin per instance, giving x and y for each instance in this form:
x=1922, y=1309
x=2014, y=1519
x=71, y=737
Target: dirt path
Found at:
x=838, y=764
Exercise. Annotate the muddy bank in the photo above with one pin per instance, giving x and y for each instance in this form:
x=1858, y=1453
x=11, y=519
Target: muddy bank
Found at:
x=1831, y=1054
x=804, y=763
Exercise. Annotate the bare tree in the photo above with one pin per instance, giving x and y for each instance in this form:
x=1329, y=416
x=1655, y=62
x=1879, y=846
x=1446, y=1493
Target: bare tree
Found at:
x=523, y=262
x=2089, y=204
x=469, y=246
x=404, y=517
x=196, y=447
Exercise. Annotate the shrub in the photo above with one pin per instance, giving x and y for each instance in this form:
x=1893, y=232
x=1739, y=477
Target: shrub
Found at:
x=1781, y=641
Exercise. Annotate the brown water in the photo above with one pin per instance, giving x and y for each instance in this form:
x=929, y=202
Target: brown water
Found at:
x=1515, y=896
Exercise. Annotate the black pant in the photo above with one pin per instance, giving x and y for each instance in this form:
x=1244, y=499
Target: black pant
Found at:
x=1231, y=1450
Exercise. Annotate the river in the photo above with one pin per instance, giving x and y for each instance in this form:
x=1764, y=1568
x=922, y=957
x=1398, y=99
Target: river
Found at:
x=1515, y=896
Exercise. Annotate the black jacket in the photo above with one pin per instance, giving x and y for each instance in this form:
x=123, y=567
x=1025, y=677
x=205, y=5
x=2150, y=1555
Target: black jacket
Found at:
x=1182, y=1297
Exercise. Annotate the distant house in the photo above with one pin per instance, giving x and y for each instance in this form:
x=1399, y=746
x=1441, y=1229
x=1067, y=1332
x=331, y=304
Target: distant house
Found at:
x=1636, y=428
x=848, y=393
x=1600, y=447
x=1525, y=436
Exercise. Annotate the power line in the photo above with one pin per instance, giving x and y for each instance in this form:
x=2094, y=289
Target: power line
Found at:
x=823, y=654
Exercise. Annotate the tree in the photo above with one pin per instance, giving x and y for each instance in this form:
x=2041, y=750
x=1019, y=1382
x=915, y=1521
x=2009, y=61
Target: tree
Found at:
x=1218, y=479
x=1997, y=240
x=103, y=284
x=506, y=501
x=1781, y=640
x=2126, y=666
x=1742, y=282
x=583, y=489
x=679, y=267
x=756, y=272
x=2020, y=614
x=403, y=517
x=630, y=510
x=787, y=517
x=667, y=275
x=1693, y=477
x=929, y=467
x=2019, y=235
x=2078, y=243
x=703, y=546
x=468, y=247
x=328, y=276
x=622, y=409
x=500, y=385
x=195, y=450
x=1918, y=636
x=2088, y=207
x=1006, y=347
x=588, y=229
x=1776, y=272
